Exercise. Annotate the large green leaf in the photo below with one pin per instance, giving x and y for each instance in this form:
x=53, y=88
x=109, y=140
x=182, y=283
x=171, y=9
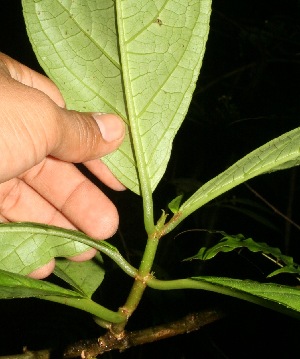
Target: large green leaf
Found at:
x=281, y=298
x=139, y=59
x=280, y=153
x=278, y=297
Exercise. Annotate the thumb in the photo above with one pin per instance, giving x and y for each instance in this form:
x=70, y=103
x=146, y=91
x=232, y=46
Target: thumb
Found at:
x=34, y=124
x=81, y=137
x=70, y=135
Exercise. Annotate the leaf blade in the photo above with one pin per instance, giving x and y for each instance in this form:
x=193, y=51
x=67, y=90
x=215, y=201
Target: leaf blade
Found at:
x=27, y=246
x=13, y=285
x=280, y=153
x=84, y=277
x=161, y=63
x=279, y=297
x=76, y=43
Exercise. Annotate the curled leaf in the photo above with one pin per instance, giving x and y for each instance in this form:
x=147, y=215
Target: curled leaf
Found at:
x=232, y=242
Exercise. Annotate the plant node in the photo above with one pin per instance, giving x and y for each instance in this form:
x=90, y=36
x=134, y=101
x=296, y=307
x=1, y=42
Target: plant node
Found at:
x=144, y=279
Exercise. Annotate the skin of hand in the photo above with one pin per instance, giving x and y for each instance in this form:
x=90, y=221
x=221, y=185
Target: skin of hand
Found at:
x=40, y=141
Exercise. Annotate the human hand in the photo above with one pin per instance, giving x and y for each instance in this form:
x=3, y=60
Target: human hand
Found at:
x=39, y=141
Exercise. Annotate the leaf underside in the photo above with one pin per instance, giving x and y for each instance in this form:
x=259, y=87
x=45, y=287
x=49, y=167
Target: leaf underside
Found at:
x=83, y=277
x=77, y=44
x=27, y=246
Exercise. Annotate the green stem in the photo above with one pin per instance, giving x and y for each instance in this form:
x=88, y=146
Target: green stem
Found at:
x=148, y=257
x=89, y=306
x=173, y=223
x=140, y=283
x=145, y=185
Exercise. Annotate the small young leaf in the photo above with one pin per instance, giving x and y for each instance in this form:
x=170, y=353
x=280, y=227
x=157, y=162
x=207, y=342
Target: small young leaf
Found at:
x=175, y=204
x=84, y=277
x=230, y=242
x=161, y=221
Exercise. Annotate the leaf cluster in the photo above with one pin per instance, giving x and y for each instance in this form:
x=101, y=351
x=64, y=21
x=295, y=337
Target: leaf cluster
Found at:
x=230, y=243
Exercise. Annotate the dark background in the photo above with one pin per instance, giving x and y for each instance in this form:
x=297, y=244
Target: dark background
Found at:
x=247, y=94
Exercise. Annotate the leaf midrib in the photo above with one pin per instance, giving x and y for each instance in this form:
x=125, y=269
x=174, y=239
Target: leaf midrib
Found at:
x=242, y=178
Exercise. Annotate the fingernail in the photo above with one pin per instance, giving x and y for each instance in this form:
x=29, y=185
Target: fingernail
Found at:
x=112, y=127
